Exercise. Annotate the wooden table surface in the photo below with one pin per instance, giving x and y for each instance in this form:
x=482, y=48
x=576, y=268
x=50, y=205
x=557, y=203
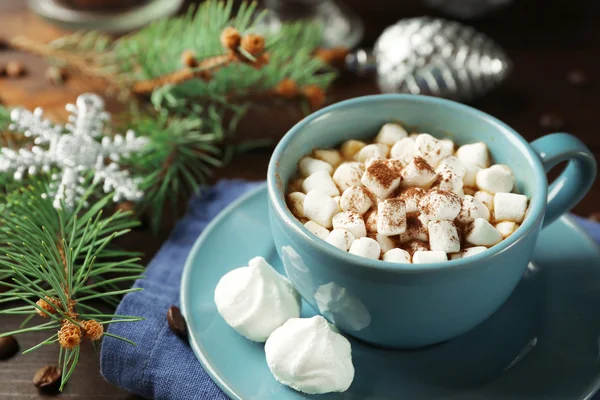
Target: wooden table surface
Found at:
x=544, y=39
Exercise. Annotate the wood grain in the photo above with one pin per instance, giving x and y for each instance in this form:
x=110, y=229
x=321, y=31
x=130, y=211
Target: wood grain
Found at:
x=544, y=39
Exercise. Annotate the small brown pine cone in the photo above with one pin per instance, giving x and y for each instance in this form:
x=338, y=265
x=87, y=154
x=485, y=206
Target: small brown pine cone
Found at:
x=188, y=59
x=45, y=304
x=253, y=44
x=334, y=56
x=287, y=88
x=93, y=329
x=230, y=38
x=261, y=61
x=315, y=96
x=69, y=335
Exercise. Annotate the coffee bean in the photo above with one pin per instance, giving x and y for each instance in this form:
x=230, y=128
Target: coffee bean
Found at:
x=177, y=322
x=47, y=379
x=8, y=347
x=595, y=216
x=577, y=77
x=551, y=122
x=15, y=69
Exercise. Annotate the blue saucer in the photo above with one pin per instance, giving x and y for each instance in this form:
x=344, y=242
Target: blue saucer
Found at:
x=544, y=343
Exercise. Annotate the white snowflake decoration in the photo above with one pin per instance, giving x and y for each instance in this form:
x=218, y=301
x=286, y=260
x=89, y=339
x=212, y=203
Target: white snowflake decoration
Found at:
x=73, y=149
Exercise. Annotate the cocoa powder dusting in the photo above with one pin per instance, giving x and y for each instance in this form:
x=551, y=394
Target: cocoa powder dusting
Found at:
x=415, y=245
x=383, y=173
x=422, y=165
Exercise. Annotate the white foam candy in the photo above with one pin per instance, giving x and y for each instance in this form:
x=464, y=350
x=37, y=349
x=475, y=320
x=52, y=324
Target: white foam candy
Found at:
x=507, y=228
x=356, y=199
x=366, y=247
x=397, y=256
x=381, y=179
x=430, y=149
x=350, y=147
x=443, y=236
x=439, y=204
x=309, y=166
x=255, y=300
x=320, y=208
x=375, y=150
x=418, y=173
x=471, y=251
x=295, y=202
x=316, y=229
x=426, y=257
x=391, y=217
x=330, y=156
x=486, y=198
x=322, y=181
x=453, y=164
x=482, y=233
x=416, y=228
x=403, y=150
x=348, y=174
x=308, y=355
x=371, y=221
x=390, y=133
x=495, y=179
x=447, y=147
x=385, y=242
x=510, y=207
x=448, y=180
x=351, y=222
x=471, y=170
x=474, y=153
x=340, y=238
x=411, y=198
x=471, y=208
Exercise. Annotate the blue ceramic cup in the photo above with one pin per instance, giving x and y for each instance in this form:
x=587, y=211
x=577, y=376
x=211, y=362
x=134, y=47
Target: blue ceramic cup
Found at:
x=413, y=305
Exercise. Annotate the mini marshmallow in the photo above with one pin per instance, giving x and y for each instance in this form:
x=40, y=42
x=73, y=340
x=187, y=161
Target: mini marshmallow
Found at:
x=322, y=181
x=426, y=257
x=430, y=149
x=418, y=173
x=375, y=150
x=330, y=156
x=371, y=221
x=510, y=207
x=443, y=236
x=309, y=166
x=390, y=133
x=317, y=230
x=506, y=228
x=350, y=147
x=348, y=174
x=351, y=222
x=385, y=242
x=295, y=202
x=403, y=150
x=337, y=199
x=415, y=245
x=391, y=217
x=471, y=171
x=474, y=153
x=320, y=208
x=414, y=135
x=447, y=147
x=356, y=199
x=397, y=256
x=471, y=251
x=366, y=247
x=453, y=164
x=486, y=198
x=470, y=209
x=448, y=180
x=482, y=233
x=440, y=204
x=411, y=197
x=495, y=179
x=381, y=179
x=416, y=228
x=340, y=238
x=295, y=185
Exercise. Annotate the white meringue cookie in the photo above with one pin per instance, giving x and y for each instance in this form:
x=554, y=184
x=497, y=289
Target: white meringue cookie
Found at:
x=256, y=300
x=309, y=356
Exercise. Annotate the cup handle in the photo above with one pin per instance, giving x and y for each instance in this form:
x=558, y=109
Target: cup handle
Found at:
x=577, y=178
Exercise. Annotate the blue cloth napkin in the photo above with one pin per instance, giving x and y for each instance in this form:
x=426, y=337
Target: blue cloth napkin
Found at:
x=162, y=366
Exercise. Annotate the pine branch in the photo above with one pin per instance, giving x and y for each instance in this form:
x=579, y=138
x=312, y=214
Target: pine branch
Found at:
x=50, y=256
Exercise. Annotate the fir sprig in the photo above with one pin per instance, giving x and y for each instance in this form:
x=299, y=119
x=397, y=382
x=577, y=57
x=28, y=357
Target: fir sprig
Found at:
x=59, y=260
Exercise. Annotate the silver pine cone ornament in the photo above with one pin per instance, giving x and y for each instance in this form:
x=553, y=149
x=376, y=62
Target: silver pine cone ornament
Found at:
x=434, y=57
